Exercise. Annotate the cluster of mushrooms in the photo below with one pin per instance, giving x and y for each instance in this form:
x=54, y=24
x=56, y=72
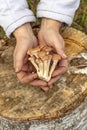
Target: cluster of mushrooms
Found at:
x=44, y=60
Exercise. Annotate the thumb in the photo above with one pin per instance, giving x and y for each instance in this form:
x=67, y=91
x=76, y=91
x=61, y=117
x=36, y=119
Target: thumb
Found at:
x=61, y=53
x=59, y=46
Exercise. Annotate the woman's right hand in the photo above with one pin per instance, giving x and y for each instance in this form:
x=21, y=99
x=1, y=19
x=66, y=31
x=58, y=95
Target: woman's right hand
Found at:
x=25, y=40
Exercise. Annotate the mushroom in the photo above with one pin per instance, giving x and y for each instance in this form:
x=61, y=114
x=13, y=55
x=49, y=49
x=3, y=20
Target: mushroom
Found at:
x=41, y=54
x=47, y=49
x=41, y=68
x=32, y=60
x=34, y=52
x=41, y=46
x=46, y=63
x=41, y=59
x=55, y=59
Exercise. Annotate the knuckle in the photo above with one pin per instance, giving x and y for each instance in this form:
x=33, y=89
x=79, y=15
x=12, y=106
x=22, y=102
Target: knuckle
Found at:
x=22, y=81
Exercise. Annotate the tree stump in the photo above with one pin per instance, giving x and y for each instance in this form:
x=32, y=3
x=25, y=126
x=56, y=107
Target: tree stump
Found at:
x=23, y=107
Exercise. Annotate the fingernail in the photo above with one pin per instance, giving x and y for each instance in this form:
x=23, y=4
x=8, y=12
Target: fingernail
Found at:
x=64, y=56
x=51, y=86
x=16, y=70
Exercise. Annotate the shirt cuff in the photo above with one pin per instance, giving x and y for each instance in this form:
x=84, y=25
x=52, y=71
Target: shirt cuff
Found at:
x=17, y=23
x=55, y=16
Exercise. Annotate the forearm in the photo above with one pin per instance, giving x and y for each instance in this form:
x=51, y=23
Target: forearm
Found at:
x=60, y=10
x=49, y=23
x=13, y=14
x=23, y=32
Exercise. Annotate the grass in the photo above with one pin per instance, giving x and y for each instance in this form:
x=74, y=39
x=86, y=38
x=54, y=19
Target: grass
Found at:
x=80, y=20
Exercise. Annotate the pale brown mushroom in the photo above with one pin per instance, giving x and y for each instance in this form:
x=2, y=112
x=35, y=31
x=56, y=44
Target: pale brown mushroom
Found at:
x=41, y=54
x=47, y=49
x=55, y=59
x=41, y=46
x=46, y=63
x=34, y=52
x=41, y=59
x=41, y=68
x=32, y=60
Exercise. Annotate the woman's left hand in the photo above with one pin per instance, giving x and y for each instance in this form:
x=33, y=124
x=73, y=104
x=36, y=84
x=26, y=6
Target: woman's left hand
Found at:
x=49, y=35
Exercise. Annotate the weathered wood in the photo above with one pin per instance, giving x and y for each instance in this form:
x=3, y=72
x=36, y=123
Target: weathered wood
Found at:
x=75, y=120
x=22, y=104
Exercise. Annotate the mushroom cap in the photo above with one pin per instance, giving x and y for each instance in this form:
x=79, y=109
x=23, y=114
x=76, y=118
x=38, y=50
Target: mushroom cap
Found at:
x=47, y=49
x=48, y=57
x=33, y=51
x=41, y=54
x=56, y=57
x=41, y=46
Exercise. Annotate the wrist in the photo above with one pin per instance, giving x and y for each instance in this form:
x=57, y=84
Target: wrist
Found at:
x=50, y=23
x=23, y=32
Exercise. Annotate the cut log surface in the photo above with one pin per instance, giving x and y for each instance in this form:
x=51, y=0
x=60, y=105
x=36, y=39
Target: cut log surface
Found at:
x=21, y=105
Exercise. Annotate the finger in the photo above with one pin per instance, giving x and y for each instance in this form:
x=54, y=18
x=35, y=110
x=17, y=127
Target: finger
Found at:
x=31, y=69
x=46, y=88
x=25, y=68
x=53, y=80
x=25, y=59
x=51, y=86
x=59, y=46
x=63, y=62
x=61, y=53
x=38, y=83
x=59, y=71
x=26, y=78
x=61, y=68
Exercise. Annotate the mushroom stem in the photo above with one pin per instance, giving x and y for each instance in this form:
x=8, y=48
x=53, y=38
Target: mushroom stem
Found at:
x=40, y=65
x=55, y=59
x=32, y=60
x=46, y=62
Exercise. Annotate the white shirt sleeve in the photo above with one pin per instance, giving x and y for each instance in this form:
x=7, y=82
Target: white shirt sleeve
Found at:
x=61, y=10
x=14, y=13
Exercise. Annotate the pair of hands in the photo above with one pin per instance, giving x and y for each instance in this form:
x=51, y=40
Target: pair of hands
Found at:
x=49, y=35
